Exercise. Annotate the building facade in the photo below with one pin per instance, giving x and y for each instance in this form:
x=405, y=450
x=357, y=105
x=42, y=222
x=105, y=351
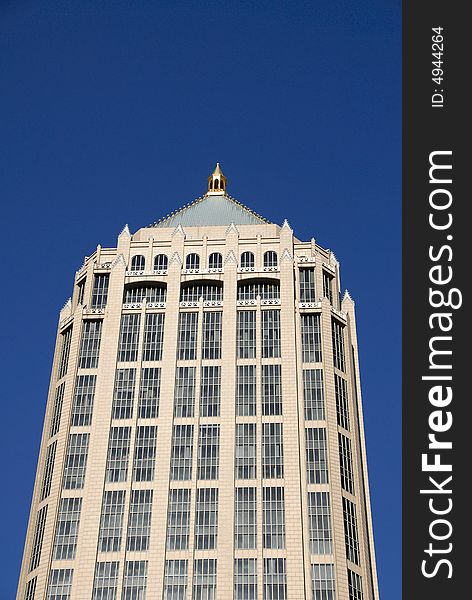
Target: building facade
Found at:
x=203, y=436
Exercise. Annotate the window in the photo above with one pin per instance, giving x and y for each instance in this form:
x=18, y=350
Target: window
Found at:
x=206, y=519
x=178, y=519
x=192, y=262
x=272, y=450
x=57, y=410
x=275, y=579
x=270, y=333
x=245, y=451
x=111, y=522
x=145, y=293
x=187, y=339
x=342, y=407
x=316, y=455
x=82, y=407
x=184, y=393
x=129, y=336
x=48, y=470
x=59, y=584
x=90, y=344
x=135, y=580
x=38, y=537
x=139, y=521
x=149, y=392
x=271, y=390
x=307, y=285
x=319, y=519
x=118, y=454
x=338, y=345
x=138, y=263
x=345, y=463
x=350, y=531
x=100, y=290
x=270, y=259
x=144, y=453
x=246, y=390
x=208, y=452
x=265, y=290
x=65, y=350
x=311, y=338
x=328, y=286
x=245, y=518
x=245, y=579
x=210, y=292
x=313, y=394
x=30, y=588
x=210, y=391
x=355, y=585
x=247, y=260
x=81, y=292
x=175, y=580
x=273, y=526
x=246, y=334
x=153, y=336
x=67, y=528
x=215, y=261
x=182, y=453
x=123, y=396
x=204, y=579
x=160, y=262
x=323, y=582
x=106, y=581
x=211, y=342
x=76, y=461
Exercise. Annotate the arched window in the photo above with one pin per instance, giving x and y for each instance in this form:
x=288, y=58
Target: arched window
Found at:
x=138, y=262
x=211, y=184
x=270, y=259
x=192, y=261
x=160, y=262
x=247, y=260
x=217, y=184
x=215, y=261
x=209, y=291
x=266, y=289
x=144, y=292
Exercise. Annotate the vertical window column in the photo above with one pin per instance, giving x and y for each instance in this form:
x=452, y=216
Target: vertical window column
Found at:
x=76, y=461
x=111, y=522
x=67, y=528
x=273, y=529
x=206, y=519
x=319, y=518
x=245, y=518
x=350, y=531
x=323, y=582
x=245, y=451
x=129, y=338
x=90, y=344
x=275, y=579
x=100, y=291
x=316, y=455
x=272, y=450
x=175, y=580
x=139, y=521
x=208, y=452
x=178, y=519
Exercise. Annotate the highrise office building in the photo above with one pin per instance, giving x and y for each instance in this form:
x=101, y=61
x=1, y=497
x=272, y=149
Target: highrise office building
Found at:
x=203, y=436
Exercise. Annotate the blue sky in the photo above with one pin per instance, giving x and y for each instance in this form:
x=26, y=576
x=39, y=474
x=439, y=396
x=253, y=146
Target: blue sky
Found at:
x=116, y=112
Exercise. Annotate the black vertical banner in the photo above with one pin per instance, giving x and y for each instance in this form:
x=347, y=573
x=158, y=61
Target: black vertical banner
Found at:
x=437, y=257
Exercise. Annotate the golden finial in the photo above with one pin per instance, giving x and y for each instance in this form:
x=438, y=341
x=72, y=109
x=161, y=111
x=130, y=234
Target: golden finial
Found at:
x=217, y=182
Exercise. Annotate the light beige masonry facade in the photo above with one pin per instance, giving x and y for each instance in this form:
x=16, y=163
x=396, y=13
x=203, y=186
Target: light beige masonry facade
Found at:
x=275, y=507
